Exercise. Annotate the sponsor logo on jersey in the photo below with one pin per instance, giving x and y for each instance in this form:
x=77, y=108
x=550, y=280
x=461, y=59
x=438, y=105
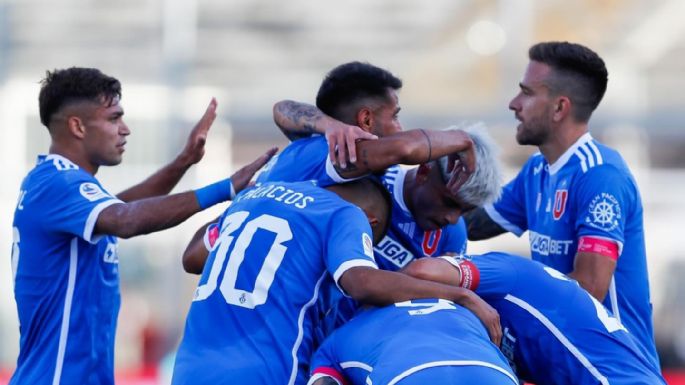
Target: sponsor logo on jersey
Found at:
x=431, y=239
x=92, y=192
x=604, y=212
x=544, y=245
x=394, y=252
x=368, y=245
x=560, y=198
x=111, y=253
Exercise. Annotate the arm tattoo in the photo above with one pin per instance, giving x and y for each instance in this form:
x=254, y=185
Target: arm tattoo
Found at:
x=297, y=120
x=480, y=226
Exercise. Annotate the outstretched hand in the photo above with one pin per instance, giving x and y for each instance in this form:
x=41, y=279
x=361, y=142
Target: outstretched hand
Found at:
x=194, y=149
x=242, y=177
x=341, y=139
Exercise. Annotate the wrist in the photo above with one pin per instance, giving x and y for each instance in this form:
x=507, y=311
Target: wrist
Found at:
x=212, y=194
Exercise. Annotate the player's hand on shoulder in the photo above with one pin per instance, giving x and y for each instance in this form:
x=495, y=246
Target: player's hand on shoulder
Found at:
x=341, y=139
x=194, y=149
x=242, y=177
x=487, y=315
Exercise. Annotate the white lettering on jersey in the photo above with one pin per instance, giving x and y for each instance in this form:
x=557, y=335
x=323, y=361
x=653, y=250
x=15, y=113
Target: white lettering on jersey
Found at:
x=92, y=191
x=544, y=245
x=394, y=252
x=20, y=201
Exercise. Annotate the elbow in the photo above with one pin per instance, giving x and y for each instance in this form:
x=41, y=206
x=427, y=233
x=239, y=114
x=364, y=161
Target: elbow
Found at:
x=358, y=284
x=190, y=266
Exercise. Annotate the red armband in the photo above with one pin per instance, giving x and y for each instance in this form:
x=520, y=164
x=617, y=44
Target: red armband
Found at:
x=470, y=275
x=330, y=372
x=598, y=245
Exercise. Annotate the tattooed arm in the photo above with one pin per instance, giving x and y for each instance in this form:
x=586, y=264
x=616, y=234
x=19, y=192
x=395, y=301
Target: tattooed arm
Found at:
x=480, y=226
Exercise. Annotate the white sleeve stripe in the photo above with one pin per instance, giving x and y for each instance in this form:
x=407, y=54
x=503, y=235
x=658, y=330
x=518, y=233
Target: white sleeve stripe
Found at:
x=333, y=173
x=500, y=220
x=598, y=154
x=348, y=265
x=435, y=364
x=589, y=155
x=560, y=336
x=356, y=364
x=92, y=218
x=321, y=375
x=66, y=312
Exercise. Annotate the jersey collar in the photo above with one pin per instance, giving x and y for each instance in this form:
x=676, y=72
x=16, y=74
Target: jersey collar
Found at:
x=564, y=158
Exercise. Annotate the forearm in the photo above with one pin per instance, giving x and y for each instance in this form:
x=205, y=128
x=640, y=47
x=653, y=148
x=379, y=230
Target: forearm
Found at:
x=195, y=255
x=593, y=272
x=381, y=288
x=159, y=183
x=299, y=120
x=147, y=215
x=407, y=147
x=480, y=226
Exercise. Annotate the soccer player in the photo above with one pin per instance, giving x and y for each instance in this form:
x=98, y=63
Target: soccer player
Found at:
x=251, y=321
x=366, y=95
x=419, y=342
x=555, y=332
x=576, y=197
x=66, y=224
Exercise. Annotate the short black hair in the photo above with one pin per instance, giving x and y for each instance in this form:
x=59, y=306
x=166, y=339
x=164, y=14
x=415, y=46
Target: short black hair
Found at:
x=65, y=86
x=578, y=73
x=351, y=82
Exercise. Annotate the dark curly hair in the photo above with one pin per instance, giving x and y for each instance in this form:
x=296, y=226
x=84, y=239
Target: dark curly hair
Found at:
x=349, y=83
x=65, y=86
x=578, y=73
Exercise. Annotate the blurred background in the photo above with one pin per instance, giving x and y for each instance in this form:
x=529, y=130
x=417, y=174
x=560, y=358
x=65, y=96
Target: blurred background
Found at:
x=459, y=60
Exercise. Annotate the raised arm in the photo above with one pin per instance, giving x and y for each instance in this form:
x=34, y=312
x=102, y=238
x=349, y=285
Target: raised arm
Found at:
x=299, y=120
x=381, y=288
x=147, y=215
x=480, y=226
x=410, y=147
x=164, y=180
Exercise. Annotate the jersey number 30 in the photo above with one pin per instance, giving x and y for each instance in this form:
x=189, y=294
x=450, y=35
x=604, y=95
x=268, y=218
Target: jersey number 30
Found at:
x=265, y=277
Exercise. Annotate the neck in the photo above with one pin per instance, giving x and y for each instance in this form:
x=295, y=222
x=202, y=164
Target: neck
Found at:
x=74, y=156
x=562, y=140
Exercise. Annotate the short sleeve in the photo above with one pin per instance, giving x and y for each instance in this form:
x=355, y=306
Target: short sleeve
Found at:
x=325, y=364
x=349, y=242
x=75, y=201
x=303, y=159
x=494, y=273
x=604, y=195
x=510, y=210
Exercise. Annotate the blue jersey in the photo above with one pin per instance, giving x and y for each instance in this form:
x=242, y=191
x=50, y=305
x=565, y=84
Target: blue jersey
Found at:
x=389, y=344
x=303, y=159
x=405, y=241
x=589, y=191
x=251, y=319
x=555, y=332
x=66, y=278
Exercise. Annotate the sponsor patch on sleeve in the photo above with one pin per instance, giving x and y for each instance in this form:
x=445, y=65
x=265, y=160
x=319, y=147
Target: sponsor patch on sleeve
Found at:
x=470, y=275
x=604, y=212
x=368, y=245
x=603, y=246
x=211, y=236
x=92, y=191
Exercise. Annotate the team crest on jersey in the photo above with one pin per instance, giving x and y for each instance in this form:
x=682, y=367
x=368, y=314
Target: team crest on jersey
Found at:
x=92, y=192
x=560, y=198
x=604, y=212
x=368, y=245
x=431, y=239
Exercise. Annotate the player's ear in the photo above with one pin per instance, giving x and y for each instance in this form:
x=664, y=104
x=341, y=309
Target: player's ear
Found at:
x=562, y=108
x=365, y=118
x=76, y=127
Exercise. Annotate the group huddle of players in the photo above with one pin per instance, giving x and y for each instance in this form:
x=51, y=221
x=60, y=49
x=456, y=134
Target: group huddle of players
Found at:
x=338, y=266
